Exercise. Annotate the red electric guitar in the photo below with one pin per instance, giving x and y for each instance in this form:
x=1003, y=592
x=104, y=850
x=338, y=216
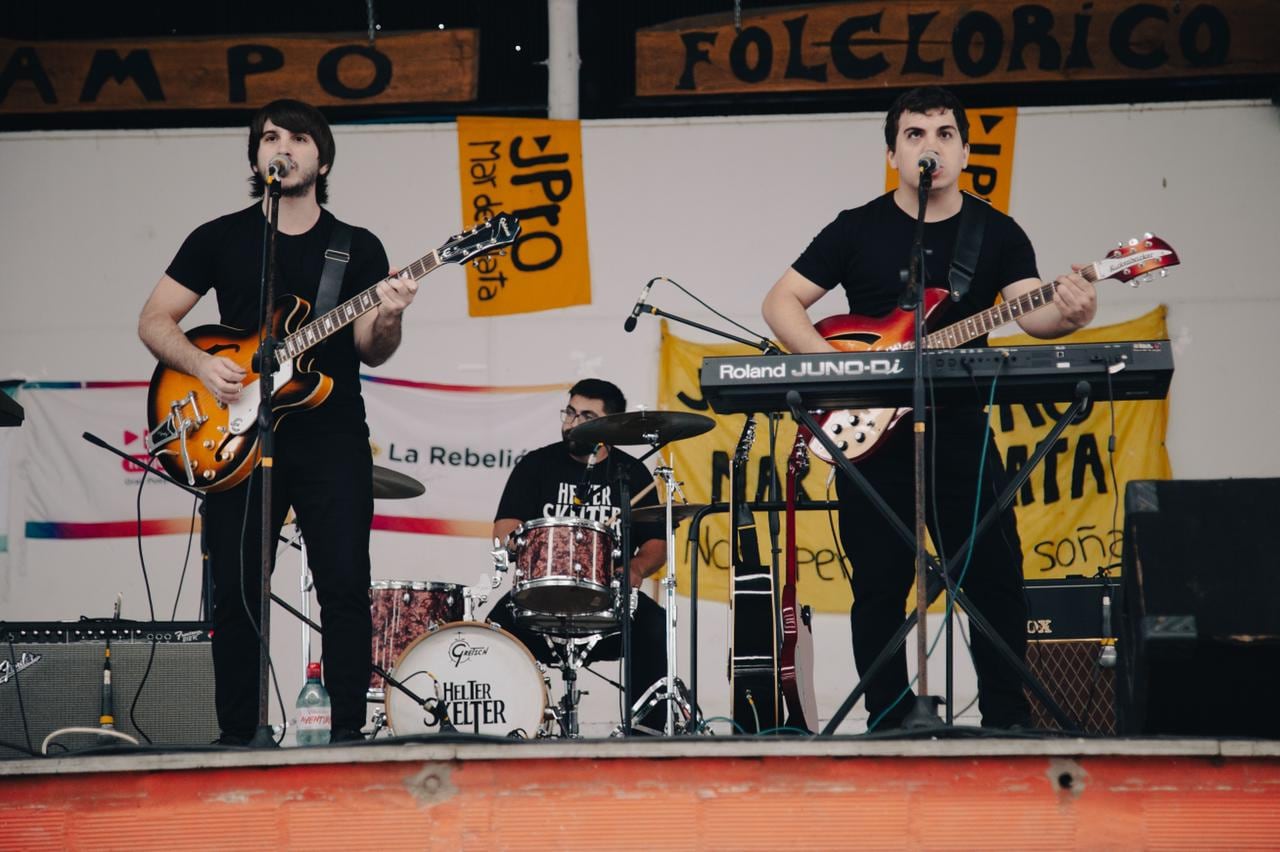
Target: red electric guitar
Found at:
x=795, y=660
x=860, y=432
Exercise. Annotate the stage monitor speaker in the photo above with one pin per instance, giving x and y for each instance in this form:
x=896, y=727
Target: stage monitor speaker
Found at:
x=1070, y=651
x=51, y=678
x=1199, y=627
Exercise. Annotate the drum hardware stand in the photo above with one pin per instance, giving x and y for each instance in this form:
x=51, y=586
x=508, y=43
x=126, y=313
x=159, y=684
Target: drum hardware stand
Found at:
x=573, y=657
x=669, y=689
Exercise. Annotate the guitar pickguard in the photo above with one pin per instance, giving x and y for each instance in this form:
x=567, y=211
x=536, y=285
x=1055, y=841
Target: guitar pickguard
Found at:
x=242, y=415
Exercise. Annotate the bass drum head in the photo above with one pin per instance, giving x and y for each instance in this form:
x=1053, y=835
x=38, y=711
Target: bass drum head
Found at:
x=489, y=680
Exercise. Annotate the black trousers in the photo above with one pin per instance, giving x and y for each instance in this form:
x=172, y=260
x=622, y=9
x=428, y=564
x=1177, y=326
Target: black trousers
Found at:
x=328, y=480
x=884, y=564
x=648, y=643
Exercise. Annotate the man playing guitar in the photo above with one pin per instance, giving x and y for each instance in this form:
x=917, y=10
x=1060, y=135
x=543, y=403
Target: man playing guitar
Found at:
x=322, y=466
x=864, y=250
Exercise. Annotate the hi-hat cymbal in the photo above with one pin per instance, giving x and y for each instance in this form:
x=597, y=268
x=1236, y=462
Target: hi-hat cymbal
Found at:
x=641, y=427
x=658, y=514
x=393, y=485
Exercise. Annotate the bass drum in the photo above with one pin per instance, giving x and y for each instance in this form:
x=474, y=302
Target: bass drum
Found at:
x=487, y=678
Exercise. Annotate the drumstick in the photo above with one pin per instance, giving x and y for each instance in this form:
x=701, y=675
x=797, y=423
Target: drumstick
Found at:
x=652, y=485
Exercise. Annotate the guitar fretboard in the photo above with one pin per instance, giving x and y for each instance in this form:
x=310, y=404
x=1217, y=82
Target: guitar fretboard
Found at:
x=983, y=322
x=324, y=326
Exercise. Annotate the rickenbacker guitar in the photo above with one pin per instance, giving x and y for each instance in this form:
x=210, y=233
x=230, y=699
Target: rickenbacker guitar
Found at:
x=753, y=654
x=212, y=445
x=860, y=432
x=795, y=663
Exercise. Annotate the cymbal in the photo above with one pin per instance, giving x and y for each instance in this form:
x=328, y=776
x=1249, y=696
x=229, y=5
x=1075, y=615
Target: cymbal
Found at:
x=641, y=427
x=391, y=484
x=658, y=514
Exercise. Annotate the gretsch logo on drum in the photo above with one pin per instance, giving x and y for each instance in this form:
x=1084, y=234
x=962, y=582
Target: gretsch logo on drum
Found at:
x=461, y=650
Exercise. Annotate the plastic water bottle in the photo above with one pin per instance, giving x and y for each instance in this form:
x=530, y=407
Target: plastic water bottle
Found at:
x=315, y=715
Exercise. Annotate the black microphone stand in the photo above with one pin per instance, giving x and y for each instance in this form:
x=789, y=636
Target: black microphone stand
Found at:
x=925, y=711
x=265, y=365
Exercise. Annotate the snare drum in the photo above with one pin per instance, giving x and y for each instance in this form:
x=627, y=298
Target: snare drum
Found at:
x=489, y=680
x=563, y=565
x=402, y=611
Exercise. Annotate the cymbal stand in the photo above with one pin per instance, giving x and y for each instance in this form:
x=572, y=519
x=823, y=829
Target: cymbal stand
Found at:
x=668, y=689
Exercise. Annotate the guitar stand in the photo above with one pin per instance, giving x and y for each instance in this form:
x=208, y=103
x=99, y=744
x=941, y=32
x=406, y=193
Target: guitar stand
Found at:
x=940, y=575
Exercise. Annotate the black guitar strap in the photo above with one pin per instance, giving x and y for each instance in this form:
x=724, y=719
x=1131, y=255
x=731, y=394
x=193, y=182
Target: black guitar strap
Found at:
x=964, y=260
x=335, y=266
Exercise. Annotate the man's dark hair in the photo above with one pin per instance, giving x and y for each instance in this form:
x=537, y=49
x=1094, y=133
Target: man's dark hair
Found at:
x=606, y=392
x=922, y=100
x=296, y=117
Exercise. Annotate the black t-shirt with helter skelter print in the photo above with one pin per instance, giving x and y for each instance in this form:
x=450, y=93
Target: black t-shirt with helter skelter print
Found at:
x=545, y=482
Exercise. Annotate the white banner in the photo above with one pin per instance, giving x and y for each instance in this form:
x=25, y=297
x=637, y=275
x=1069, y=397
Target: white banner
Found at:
x=459, y=441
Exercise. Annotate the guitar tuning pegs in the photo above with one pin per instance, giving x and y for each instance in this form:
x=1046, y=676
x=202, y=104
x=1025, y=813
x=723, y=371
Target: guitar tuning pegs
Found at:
x=1148, y=236
x=1133, y=242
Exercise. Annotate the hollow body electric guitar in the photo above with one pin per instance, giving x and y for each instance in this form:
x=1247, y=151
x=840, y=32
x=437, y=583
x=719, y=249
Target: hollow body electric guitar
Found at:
x=859, y=432
x=213, y=445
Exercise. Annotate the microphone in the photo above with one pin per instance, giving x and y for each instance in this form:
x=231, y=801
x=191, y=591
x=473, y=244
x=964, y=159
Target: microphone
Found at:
x=630, y=324
x=928, y=162
x=581, y=492
x=279, y=167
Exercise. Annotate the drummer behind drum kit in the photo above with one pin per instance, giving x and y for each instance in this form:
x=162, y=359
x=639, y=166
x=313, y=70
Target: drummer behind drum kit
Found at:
x=564, y=587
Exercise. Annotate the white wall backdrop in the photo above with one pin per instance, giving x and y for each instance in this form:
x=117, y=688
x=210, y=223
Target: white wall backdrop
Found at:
x=720, y=205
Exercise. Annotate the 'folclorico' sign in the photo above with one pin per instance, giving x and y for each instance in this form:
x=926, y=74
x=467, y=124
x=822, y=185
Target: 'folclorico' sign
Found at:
x=874, y=44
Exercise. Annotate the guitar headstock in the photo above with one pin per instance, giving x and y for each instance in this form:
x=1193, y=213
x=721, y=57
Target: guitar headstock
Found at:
x=498, y=232
x=1138, y=260
x=798, y=464
x=743, y=450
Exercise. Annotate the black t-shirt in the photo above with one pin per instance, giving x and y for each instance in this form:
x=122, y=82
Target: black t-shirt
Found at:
x=866, y=248
x=543, y=483
x=225, y=255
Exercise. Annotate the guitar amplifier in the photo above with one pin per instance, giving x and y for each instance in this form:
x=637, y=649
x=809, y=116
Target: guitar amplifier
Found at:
x=1070, y=651
x=51, y=678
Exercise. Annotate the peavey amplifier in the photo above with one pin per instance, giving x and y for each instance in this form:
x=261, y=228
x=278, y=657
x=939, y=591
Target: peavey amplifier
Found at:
x=1070, y=650
x=51, y=678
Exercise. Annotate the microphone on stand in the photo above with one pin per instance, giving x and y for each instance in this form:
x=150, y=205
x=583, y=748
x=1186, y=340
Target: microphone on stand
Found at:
x=278, y=168
x=928, y=162
x=630, y=324
x=580, y=492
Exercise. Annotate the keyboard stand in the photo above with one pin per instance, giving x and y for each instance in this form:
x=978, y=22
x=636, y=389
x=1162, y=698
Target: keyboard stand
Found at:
x=940, y=575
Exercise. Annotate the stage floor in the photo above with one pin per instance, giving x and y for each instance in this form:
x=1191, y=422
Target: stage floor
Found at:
x=642, y=793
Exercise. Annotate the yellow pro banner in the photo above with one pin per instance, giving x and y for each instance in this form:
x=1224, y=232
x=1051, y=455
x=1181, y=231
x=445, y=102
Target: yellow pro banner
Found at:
x=1065, y=510
x=532, y=169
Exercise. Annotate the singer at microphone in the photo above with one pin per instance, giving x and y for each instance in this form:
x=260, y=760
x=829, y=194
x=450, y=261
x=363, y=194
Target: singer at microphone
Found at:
x=928, y=162
x=278, y=168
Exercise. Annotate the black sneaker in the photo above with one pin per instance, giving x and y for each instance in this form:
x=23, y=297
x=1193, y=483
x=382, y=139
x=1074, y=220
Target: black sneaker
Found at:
x=346, y=735
x=228, y=739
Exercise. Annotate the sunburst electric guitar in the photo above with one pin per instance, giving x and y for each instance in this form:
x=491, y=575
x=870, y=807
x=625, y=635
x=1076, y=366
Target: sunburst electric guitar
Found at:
x=213, y=445
x=859, y=432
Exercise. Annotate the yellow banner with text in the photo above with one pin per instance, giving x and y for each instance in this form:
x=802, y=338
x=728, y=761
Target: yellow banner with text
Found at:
x=532, y=169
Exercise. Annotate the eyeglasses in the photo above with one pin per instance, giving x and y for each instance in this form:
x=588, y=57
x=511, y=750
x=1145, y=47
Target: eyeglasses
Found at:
x=570, y=414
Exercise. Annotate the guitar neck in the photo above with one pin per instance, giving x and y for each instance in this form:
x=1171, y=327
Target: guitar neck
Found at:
x=323, y=327
x=959, y=333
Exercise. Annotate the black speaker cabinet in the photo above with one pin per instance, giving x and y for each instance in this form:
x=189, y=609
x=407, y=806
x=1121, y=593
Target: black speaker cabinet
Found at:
x=1068, y=650
x=1199, y=627
x=51, y=678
